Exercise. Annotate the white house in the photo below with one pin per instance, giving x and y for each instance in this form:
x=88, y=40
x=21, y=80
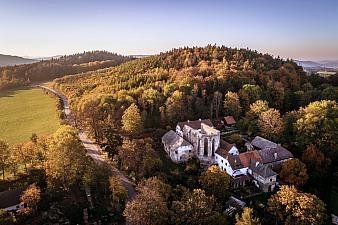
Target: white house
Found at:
x=11, y=200
x=178, y=149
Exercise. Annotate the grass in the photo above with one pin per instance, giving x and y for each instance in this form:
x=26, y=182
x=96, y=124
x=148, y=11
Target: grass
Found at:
x=26, y=111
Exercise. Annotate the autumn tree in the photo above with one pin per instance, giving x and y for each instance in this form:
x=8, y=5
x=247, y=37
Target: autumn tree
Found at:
x=247, y=218
x=65, y=158
x=216, y=182
x=293, y=207
x=139, y=156
x=294, y=172
x=195, y=208
x=118, y=192
x=148, y=207
x=132, y=120
x=31, y=197
x=232, y=105
x=270, y=124
x=4, y=156
x=217, y=102
x=318, y=124
x=252, y=116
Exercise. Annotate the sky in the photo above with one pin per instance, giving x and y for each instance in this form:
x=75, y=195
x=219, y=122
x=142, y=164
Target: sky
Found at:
x=298, y=29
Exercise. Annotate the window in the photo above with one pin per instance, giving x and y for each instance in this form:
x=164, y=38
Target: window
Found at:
x=270, y=180
x=222, y=160
x=176, y=152
x=189, y=150
x=216, y=157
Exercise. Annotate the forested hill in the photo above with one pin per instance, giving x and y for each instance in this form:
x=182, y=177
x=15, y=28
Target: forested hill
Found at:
x=9, y=60
x=189, y=76
x=14, y=76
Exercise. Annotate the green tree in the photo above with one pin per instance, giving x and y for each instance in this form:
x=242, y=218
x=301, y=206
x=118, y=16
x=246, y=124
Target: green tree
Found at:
x=132, y=120
x=247, y=218
x=216, y=182
x=294, y=172
x=293, y=207
x=232, y=106
x=4, y=156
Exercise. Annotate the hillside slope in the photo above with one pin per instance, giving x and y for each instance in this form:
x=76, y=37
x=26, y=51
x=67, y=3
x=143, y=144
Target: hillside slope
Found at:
x=182, y=83
x=9, y=60
x=14, y=76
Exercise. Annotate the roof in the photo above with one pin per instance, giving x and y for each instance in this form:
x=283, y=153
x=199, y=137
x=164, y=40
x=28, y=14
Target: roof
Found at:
x=246, y=157
x=195, y=124
x=261, y=169
x=275, y=154
x=174, y=140
x=230, y=120
x=224, y=148
x=261, y=143
x=11, y=197
x=234, y=162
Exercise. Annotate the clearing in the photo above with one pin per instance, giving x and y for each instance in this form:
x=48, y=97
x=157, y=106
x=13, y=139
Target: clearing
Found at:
x=26, y=111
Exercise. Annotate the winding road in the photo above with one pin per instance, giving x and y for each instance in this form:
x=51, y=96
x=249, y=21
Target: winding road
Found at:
x=92, y=149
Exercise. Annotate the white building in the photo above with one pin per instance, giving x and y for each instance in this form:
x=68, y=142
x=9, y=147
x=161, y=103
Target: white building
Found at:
x=178, y=149
x=199, y=136
x=11, y=200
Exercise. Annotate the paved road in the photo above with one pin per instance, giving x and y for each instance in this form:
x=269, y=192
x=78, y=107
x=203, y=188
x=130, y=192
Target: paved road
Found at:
x=94, y=150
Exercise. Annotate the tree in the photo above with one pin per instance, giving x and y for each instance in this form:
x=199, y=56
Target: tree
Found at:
x=318, y=125
x=217, y=102
x=232, y=105
x=293, y=207
x=254, y=92
x=132, y=120
x=31, y=197
x=65, y=159
x=118, y=192
x=270, y=124
x=247, y=218
x=4, y=156
x=294, y=172
x=216, y=182
x=313, y=157
x=252, y=116
x=24, y=153
x=147, y=208
x=195, y=208
x=138, y=155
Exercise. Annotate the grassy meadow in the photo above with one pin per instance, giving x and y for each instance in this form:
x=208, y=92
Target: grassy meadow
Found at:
x=26, y=111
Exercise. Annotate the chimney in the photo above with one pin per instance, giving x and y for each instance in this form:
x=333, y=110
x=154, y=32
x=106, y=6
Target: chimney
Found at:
x=188, y=121
x=200, y=119
x=257, y=163
x=275, y=155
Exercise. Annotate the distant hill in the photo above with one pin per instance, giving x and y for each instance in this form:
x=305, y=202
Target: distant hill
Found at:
x=9, y=60
x=21, y=75
x=315, y=66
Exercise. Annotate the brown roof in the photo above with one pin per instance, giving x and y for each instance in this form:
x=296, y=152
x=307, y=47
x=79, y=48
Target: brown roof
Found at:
x=234, y=162
x=246, y=157
x=230, y=120
x=195, y=124
x=275, y=154
x=224, y=148
x=11, y=197
x=261, y=143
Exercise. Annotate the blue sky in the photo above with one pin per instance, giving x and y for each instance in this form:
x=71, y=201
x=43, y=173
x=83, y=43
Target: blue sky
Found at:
x=296, y=29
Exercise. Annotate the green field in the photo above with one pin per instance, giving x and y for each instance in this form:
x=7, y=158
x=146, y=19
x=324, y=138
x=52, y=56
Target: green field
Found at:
x=26, y=111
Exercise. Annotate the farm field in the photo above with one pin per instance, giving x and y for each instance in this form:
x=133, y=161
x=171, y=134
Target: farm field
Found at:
x=26, y=111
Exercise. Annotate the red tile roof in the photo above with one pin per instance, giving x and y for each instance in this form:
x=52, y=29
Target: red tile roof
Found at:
x=246, y=157
x=229, y=120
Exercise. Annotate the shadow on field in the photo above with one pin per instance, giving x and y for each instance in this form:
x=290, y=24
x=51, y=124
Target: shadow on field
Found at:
x=11, y=92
